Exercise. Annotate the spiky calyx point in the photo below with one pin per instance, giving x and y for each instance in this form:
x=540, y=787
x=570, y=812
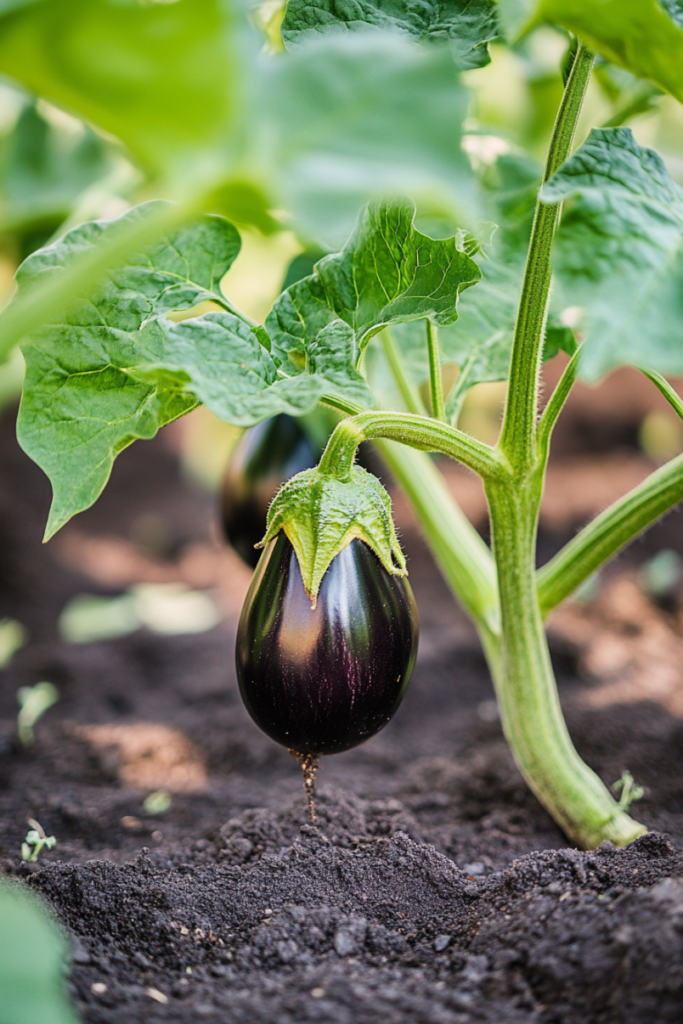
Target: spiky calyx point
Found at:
x=322, y=515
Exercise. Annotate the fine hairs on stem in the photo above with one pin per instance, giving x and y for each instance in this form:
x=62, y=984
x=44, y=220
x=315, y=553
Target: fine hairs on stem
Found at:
x=309, y=766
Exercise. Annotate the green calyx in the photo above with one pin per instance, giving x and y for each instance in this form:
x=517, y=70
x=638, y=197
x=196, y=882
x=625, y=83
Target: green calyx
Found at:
x=321, y=515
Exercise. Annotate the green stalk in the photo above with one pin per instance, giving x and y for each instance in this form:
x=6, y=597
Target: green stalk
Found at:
x=461, y=555
x=409, y=393
x=420, y=432
x=672, y=397
x=519, y=425
x=435, y=379
x=525, y=685
x=617, y=526
x=529, y=704
x=555, y=406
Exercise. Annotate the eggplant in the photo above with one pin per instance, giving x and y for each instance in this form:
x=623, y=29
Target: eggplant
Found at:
x=263, y=458
x=323, y=680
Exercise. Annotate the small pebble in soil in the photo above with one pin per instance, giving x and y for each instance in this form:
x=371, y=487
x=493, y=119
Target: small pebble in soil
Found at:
x=98, y=988
x=317, y=993
x=156, y=995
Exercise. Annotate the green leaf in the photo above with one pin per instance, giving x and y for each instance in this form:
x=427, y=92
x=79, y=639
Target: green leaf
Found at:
x=333, y=357
x=160, y=76
x=674, y=8
x=316, y=133
x=115, y=369
x=639, y=35
x=467, y=24
x=619, y=253
x=387, y=273
x=45, y=170
x=480, y=341
x=342, y=120
x=33, y=960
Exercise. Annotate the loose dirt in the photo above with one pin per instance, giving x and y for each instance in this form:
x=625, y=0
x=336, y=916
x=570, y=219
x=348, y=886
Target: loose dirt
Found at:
x=433, y=888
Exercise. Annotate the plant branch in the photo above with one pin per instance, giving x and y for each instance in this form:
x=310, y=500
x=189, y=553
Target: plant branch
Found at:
x=517, y=438
x=435, y=379
x=420, y=432
x=612, y=530
x=409, y=393
x=672, y=397
x=556, y=404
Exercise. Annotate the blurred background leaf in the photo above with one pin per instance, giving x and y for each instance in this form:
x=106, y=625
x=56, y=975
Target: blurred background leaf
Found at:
x=33, y=961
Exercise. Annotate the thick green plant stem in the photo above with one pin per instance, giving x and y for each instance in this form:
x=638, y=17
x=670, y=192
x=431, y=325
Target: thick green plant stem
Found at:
x=420, y=432
x=525, y=685
x=435, y=380
x=614, y=528
x=462, y=556
x=519, y=425
x=527, y=692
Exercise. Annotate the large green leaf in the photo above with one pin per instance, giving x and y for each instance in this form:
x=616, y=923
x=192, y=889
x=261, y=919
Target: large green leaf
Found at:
x=620, y=253
x=160, y=76
x=468, y=24
x=342, y=120
x=115, y=368
x=387, y=273
x=639, y=35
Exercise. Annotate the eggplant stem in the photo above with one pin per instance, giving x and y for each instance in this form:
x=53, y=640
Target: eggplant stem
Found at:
x=309, y=764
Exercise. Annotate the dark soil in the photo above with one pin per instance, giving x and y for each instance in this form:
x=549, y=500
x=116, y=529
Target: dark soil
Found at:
x=434, y=889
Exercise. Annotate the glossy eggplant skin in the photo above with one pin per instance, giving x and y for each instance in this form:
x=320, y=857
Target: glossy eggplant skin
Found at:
x=323, y=680
x=263, y=459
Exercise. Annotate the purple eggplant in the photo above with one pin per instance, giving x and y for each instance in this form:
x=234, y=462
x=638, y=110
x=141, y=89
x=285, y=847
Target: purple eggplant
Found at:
x=320, y=681
x=264, y=457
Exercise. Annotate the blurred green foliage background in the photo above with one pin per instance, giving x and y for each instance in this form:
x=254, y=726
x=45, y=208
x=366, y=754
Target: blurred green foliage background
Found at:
x=57, y=171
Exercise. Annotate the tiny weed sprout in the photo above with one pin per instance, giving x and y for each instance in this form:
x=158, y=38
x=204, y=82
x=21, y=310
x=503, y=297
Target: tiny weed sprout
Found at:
x=34, y=701
x=158, y=802
x=36, y=841
x=437, y=241
x=12, y=639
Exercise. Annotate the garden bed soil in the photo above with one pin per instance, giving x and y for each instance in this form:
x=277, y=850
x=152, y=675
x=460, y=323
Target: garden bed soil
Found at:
x=433, y=888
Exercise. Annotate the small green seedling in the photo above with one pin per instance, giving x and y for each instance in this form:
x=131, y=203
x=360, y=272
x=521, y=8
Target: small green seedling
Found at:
x=35, y=842
x=34, y=702
x=158, y=802
x=13, y=636
x=630, y=790
x=659, y=576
